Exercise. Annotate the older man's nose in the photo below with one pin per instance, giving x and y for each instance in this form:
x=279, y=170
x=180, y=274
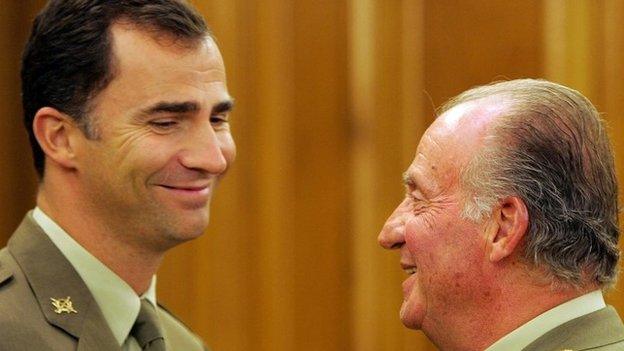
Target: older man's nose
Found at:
x=392, y=234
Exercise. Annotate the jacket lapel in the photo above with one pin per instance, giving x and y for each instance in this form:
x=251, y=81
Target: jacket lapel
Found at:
x=51, y=276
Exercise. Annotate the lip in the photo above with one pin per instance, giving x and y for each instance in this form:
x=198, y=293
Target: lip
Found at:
x=189, y=194
x=407, y=266
x=190, y=188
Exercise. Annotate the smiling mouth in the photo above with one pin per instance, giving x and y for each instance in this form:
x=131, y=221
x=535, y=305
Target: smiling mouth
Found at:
x=184, y=188
x=409, y=268
x=195, y=196
x=410, y=271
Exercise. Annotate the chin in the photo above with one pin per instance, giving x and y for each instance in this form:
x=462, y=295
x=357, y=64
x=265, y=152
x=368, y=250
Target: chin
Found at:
x=189, y=227
x=412, y=315
x=192, y=230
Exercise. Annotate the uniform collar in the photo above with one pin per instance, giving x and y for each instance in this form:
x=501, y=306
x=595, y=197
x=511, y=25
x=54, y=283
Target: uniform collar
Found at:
x=51, y=277
x=116, y=299
x=538, y=326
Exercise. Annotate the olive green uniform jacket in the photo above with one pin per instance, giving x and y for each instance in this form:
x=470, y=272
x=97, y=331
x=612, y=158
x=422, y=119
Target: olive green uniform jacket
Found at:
x=601, y=331
x=32, y=273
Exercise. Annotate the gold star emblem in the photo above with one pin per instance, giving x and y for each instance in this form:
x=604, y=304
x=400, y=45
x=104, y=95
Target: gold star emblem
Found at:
x=63, y=305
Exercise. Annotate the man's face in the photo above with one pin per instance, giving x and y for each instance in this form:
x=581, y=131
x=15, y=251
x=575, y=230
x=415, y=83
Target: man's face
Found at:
x=163, y=139
x=442, y=252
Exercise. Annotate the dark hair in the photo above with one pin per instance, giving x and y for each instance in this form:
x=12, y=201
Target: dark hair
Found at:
x=68, y=58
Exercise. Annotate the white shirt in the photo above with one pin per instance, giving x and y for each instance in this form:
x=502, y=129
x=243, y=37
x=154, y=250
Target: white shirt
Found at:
x=119, y=304
x=545, y=322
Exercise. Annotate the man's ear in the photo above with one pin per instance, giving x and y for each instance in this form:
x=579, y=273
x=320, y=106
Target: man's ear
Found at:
x=510, y=224
x=53, y=131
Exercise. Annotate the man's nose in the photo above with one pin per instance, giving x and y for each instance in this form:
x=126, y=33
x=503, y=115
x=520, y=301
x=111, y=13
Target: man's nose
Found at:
x=204, y=151
x=392, y=235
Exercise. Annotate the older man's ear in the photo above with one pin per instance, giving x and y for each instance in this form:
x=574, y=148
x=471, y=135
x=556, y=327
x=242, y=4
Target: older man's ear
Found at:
x=53, y=130
x=507, y=227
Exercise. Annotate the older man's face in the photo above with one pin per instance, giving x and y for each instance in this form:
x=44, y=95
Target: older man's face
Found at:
x=164, y=139
x=442, y=253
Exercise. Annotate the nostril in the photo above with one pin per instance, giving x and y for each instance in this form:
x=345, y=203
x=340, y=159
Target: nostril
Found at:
x=390, y=240
x=396, y=246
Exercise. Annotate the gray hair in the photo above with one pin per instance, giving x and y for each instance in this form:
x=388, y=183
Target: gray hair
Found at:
x=549, y=147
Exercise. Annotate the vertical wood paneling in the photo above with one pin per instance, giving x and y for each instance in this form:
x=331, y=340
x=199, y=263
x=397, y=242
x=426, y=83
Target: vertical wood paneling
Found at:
x=365, y=254
x=332, y=97
x=17, y=178
x=387, y=107
x=574, y=46
x=275, y=156
x=320, y=235
x=471, y=43
x=613, y=107
x=614, y=92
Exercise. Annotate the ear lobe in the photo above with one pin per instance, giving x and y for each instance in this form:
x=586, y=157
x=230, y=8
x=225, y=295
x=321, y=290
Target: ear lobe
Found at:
x=53, y=130
x=512, y=221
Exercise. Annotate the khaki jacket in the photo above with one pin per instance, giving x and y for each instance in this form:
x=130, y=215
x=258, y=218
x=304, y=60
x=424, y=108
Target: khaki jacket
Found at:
x=32, y=273
x=601, y=331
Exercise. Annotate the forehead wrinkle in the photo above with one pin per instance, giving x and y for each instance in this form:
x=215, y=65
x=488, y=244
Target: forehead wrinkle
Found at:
x=433, y=141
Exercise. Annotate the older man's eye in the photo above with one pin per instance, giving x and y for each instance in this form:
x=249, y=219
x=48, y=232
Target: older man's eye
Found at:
x=418, y=205
x=415, y=199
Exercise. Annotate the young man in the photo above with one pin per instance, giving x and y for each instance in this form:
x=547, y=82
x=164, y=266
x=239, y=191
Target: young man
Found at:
x=126, y=105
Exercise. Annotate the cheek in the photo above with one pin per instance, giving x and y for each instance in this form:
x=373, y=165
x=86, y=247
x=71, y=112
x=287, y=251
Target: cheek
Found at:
x=421, y=235
x=140, y=162
x=444, y=246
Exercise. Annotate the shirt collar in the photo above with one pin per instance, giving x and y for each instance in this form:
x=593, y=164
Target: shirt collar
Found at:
x=119, y=304
x=538, y=326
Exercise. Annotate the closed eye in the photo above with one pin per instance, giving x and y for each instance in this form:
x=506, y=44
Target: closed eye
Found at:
x=418, y=205
x=163, y=124
x=219, y=118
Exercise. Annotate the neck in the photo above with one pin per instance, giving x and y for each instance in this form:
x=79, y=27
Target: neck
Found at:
x=506, y=309
x=133, y=263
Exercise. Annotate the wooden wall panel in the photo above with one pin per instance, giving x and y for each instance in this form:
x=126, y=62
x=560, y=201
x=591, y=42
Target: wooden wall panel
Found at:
x=471, y=43
x=332, y=97
x=17, y=178
x=613, y=36
x=387, y=117
x=574, y=46
x=322, y=145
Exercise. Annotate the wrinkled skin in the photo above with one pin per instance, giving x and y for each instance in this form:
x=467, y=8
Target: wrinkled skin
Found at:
x=447, y=251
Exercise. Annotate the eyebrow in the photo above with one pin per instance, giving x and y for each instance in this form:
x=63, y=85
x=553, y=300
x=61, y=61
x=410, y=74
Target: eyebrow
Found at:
x=409, y=181
x=185, y=107
x=171, y=107
x=223, y=106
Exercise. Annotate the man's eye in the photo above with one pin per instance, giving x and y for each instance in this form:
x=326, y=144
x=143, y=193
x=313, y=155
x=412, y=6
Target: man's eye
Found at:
x=219, y=119
x=414, y=197
x=163, y=124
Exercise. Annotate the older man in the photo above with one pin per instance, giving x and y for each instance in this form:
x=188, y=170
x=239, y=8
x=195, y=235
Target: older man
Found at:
x=509, y=226
x=126, y=106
